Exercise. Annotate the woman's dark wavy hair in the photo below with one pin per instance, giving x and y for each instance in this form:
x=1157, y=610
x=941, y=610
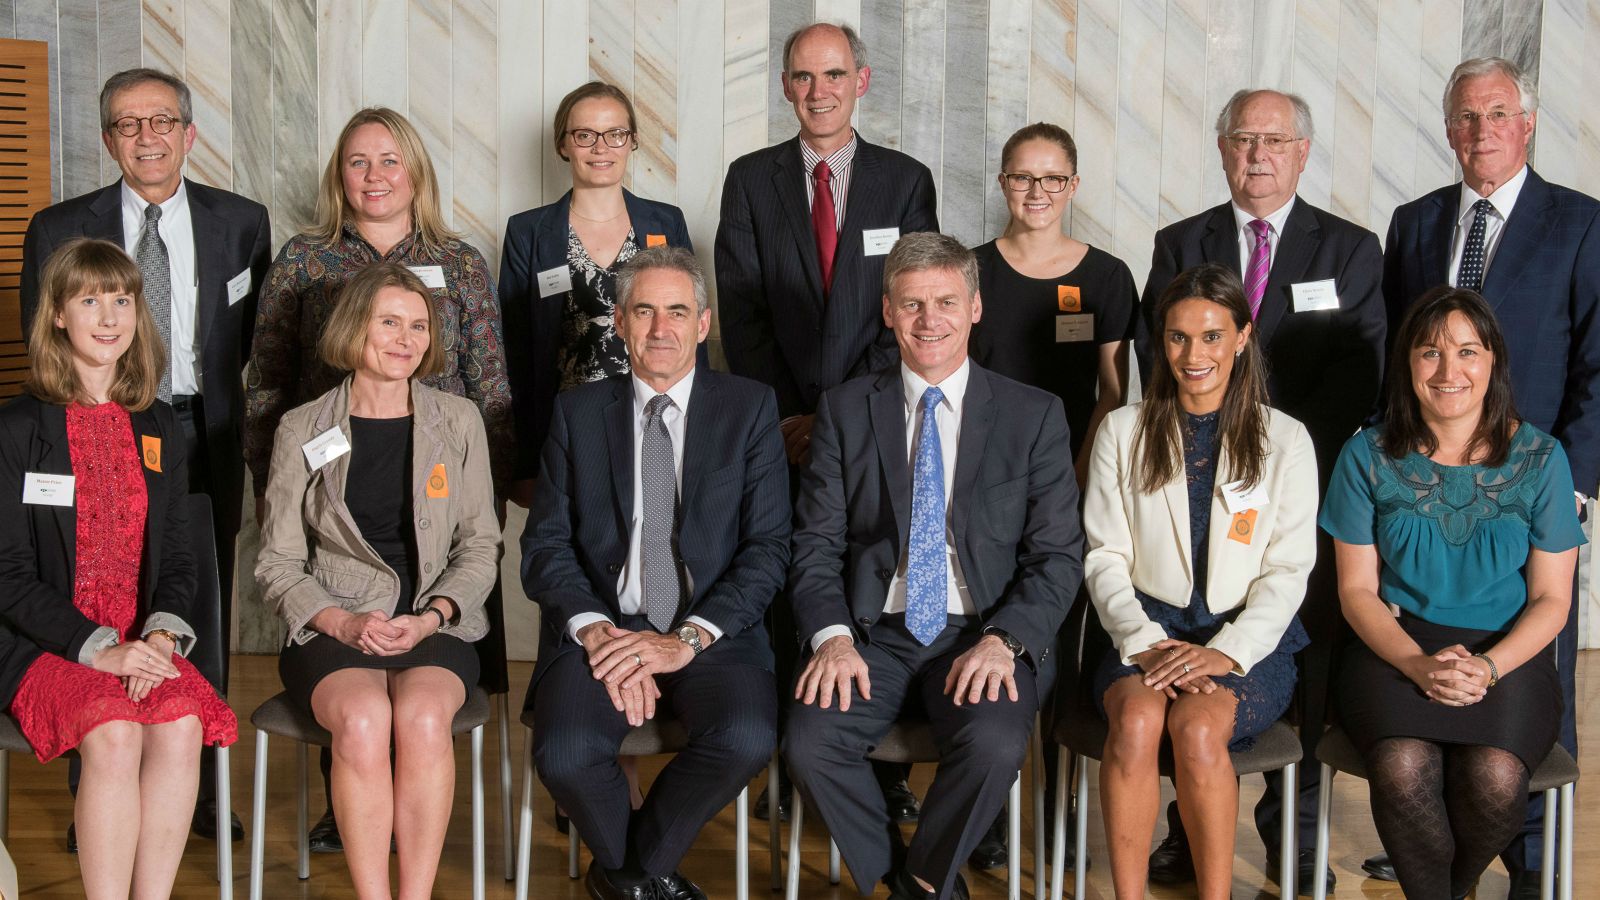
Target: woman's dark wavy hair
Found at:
x=1403, y=427
x=1242, y=421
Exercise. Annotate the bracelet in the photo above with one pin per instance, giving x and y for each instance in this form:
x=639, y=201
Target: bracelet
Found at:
x=443, y=622
x=1494, y=671
x=164, y=633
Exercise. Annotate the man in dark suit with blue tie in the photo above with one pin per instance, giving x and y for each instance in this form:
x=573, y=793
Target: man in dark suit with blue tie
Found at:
x=1532, y=249
x=937, y=550
x=657, y=537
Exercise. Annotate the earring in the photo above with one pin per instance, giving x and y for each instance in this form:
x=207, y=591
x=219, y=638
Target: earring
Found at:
x=1238, y=353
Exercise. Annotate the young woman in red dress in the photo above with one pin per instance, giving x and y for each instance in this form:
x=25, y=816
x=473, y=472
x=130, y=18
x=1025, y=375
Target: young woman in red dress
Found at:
x=97, y=575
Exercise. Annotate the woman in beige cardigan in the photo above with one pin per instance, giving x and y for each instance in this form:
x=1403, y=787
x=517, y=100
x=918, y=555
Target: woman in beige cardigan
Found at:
x=382, y=577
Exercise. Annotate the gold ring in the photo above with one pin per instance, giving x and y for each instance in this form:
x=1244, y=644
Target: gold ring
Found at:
x=638, y=659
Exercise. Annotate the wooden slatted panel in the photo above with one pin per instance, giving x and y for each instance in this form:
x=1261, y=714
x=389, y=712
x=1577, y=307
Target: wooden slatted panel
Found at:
x=24, y=186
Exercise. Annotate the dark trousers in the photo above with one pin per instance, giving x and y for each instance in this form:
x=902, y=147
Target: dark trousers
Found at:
x=731, y=721
x=981, y=746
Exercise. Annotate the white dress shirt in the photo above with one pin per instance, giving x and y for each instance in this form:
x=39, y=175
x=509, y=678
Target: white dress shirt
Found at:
x=948, y=420
x=1247, y=235
x=177, y=232
x=840, y=164
x=1494, y=222
x=630, y=584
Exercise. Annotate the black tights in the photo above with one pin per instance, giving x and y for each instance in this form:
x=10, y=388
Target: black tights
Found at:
x=1444, y=811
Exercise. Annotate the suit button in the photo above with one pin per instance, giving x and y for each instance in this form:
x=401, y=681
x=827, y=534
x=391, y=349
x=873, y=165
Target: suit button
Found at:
x=614, y=568
x=427, y=567
x=865, y=620
x=885, y=574
x=423, y=524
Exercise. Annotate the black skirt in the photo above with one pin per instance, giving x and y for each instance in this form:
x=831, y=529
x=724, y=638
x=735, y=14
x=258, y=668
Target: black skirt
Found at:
x=303, y=666
x=1520, y=714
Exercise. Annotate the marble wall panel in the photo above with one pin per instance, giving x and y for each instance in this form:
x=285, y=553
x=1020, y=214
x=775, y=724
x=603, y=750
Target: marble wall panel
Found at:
x=163, y=34
x=1138, y=127
x=1399, y=72
x=80, y=98
x=883, y=31
x=611, y=43
x=522, y=121
x=922, y=126
x=1589, y=166
x=1052, y=69
x=209, y=72
x=745, y=71
x=1440, y=51
x=340, y=24
x=252, y=116
x=784, y=16
x=566, y=65
x=1521, y=26
x=1230, y=40
x=295, y=164
x=383, y=43
x=1270, y=49
x=121, y=47
x=1007, y=106
x=1352, y=141
x=655, y=99
x=1185, y=131
x=1314, y=76
x=1481, y=23
x=700, y=120
x=8, y=21
x=1560, y=125
x=1094, y=123
x=961, y=193
x=474, y=209
x=430, y=103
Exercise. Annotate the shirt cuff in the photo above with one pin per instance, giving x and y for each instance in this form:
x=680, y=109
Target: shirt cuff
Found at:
x=832, y=631
x=580, y=621
x=99, y=639
x=163, y=621
x=714, y=631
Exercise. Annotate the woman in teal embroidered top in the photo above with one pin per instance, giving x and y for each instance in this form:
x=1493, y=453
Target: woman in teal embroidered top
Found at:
x=1464, y=518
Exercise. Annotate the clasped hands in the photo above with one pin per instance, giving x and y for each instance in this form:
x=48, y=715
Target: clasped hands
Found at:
x=976, y=675
x=1452, y=676
x=1172, y=665
x=375, y=633
x=626, y=662
x=140, y=665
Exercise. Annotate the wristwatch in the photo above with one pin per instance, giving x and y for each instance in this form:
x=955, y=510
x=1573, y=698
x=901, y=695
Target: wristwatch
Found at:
x=1012, y=644
x=690, y=635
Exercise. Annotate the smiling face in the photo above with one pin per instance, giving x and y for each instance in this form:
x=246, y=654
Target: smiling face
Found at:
x=1489, y=156
x=662, y=326
x=600, y=165
x=1261, y=181
x=99, y=327
x=932, y=314
x=151, y=163
x=376, y=184
x=398, y=333
x=1038, y=209
x=823, y=83
x=1450, y=373
x=1201, y=344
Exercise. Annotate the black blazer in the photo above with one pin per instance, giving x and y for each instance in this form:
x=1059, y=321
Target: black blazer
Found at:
x=733, y=531
x=536, y=240
x=777, y=325
x=1324, y=368
x=1544, y=286
x=39, y=544
x=1014, y=509
x=231, y=234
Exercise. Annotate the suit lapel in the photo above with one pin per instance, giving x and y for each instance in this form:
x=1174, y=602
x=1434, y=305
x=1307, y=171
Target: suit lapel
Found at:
x=887, y=408
x=1525, y=231
x=788, y=181
x=55, y=457
x=860, y=211
x=977, y=417
x=1437, y=235
x=105, y=221
x=1176, y=492
x=1220, y=243
x=1296, y=245
x=618, y=415
x=209, y=242
x=698, y=432
x=551, y=241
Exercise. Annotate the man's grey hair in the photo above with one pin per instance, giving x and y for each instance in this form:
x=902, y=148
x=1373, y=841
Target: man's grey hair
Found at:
x=134, y=77
x=858, y=50
x=1527, y=91
x=675, y=259
x=923, y=250
x=1230, y=111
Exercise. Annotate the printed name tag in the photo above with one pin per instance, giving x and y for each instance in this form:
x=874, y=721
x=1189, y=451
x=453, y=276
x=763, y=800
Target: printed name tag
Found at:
x=238, y=287
x=41, y=489
x=432, y=276
x=555, y=281
x=1236, y=499
x=1074, y=328
x=1311, y=296
x=878, y=241
x=325, y=448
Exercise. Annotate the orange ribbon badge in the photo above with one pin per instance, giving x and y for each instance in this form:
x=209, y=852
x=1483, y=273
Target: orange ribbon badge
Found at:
x=152, y=452
x=1243, y=527
x=1068, y=298
x=655, y=240
x=438, y=484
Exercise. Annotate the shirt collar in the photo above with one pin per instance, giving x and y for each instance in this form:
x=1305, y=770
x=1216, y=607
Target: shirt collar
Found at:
x=954, y=387
x=1274, y=219
x=644, y=393
x=133, y=204
x=838, y=160
x=1503, y=199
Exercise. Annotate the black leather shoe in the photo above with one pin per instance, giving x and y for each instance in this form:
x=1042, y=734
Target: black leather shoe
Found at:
x=785, y=794
x=902, y=886
x=600, y=887
x=903, y=805
x=1379, y=867
x=324, y=836
x=677, y=887
x=1524, y=885
x=205, y=822
x=72, y=837
x=992, y=851
x=1304, y=871
x=1170, y=862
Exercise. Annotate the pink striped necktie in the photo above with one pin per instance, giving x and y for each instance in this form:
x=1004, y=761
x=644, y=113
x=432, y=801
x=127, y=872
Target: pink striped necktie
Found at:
x=1255, y=277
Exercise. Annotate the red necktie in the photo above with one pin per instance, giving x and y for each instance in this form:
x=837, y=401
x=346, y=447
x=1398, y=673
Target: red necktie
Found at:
x=823, y=224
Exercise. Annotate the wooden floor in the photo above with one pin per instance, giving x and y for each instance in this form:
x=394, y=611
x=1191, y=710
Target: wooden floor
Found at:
x=41, y=810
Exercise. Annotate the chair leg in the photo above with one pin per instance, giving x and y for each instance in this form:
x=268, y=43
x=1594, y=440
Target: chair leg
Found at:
x=1547, y=876
x=1319, y=889
x=1080, y=867
x=5, y=795
x=477, y=814
x=773, y=848
x=1288, y=855
x=1014, y=844
x=300, y=823
x=258, y=816
x=741, y=845
x=507, y=837
x=1568, y=813
x=797, y=815
x=1058, y=836
x=224, y=826
x=833, y=860
x=525, y=821
x=1039, y=886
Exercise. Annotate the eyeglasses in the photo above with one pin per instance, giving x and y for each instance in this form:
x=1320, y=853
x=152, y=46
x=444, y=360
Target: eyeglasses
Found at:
x=128, y=126
x=1021, y=182
x=1247, y=140
x=616, y=138
x=1494, y=118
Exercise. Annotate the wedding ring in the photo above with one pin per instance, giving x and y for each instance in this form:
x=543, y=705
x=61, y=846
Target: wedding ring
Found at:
x=1186, y=668
x=149, y=658
x=638, y=659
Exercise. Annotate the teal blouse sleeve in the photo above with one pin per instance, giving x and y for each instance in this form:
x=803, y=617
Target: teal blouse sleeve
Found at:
x=1348, y=511
x=1554, y=522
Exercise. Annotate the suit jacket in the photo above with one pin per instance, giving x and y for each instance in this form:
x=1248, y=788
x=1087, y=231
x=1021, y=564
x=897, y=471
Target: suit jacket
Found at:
x=312, y=554
x=733, y=515
x=1014, y=509
x=778, y=325
x=1544, y=287
x=39, y=543
x=231, y=234
x=1141, y=541
x=1324, y=368
x=536, y=240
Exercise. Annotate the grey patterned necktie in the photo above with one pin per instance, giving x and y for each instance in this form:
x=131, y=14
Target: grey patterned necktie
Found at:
x=1472, y=257
x=151, y=254
x=659, y=481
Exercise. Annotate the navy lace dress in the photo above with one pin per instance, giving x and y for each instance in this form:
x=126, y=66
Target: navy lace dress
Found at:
x=1265, y=692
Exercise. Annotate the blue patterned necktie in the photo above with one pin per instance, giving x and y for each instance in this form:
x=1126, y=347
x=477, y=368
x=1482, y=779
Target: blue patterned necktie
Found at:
x=927, y=584
x=1472, y=257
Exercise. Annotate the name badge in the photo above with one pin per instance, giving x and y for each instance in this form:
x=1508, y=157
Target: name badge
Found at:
x=432, y=276
x=555, y=281
x=1236, y=499
x=1074, y=328
x=325, y=448
x=1312, y=296
x=41, y=489
x=878, y=241
x=238, y=287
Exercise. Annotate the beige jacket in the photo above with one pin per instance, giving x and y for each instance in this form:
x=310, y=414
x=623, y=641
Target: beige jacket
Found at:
x=312, y=554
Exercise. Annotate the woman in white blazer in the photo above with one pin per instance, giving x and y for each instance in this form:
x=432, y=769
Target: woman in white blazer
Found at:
x=1201, y=520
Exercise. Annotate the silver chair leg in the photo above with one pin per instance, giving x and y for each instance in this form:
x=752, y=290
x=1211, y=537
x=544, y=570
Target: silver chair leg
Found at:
x=477, y=813
x=300, y=823
x=224, y=826
x=1014, y=850
x=5, y=795
x=1288, y=855
x=1058, y=836
x=797, y=815
x=1569, y=812
x=1319, y=890
x=258, y=816
x=1547, y=876
x=773, y=848
x=572, y=849
x=741, y=845
x=1080, y=866
x=833, y=860
x=507, y=838
x=525, y=821
x=1039, y=886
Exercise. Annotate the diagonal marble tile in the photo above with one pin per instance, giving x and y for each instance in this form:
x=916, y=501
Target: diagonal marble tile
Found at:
x=1558, y=154
x=1399, y=77
x=1440, y=51
x=1482, y=22
x=250, y=65
x=121, y=47
x=383, y=43
x=163, y=35
x=1352, y=141
x=883, y=31
x=922, y=110
x=655, y=99
x=1521, y=25
x=700, y=120
x=79, y=87
x=1187, y=143
x=1315, y=75
x=475, y=202
x=745, y=73
x=784, y=16
x=295, y=165
x=1272, y=50
x=611, y=49
x=1139, y=79
x=962, y=191
x=1052, y=68
x=566, y=65
x=209, y=73
x=1094, y=127
x=339, y=62
x=523, y=124
x=1230, y=37
x=1006, y=107
x=430, y=100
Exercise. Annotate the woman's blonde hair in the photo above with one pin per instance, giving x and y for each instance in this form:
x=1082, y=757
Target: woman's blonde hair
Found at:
x=345, y=335
x=84, y=266
x=333, y=209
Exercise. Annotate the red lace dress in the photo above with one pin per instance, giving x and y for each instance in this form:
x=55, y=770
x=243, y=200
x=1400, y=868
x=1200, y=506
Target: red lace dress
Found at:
x=60, y=701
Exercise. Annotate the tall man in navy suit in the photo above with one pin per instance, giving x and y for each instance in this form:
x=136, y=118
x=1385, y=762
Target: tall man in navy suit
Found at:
x=1532, y=249
x=657, y=536
x=806, y=226
x=1313, y=281
x=211, y=247
x=937, y=550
